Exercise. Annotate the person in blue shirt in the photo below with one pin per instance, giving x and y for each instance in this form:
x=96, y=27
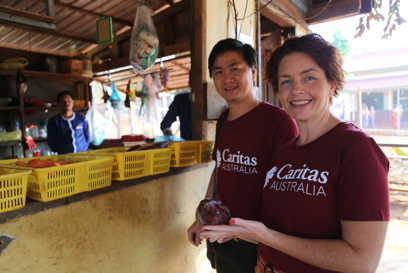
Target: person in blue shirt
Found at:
x=68, y=132
x=181, y=107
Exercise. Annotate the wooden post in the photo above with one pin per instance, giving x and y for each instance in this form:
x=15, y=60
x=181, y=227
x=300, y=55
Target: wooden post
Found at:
x=198, y=64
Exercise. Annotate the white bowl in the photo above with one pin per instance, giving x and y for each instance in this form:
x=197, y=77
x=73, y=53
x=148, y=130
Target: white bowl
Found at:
x=47, y=104
x=4, y=101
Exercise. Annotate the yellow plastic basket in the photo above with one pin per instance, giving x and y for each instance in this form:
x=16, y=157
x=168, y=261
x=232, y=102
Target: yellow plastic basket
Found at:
x=129, y=165
x=190, y=152
x=10, y=136
x=205, y=150
x=13, y=188
x=84, y=173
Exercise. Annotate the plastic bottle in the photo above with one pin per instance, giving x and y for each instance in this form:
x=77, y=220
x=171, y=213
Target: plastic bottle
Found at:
x=16, y=125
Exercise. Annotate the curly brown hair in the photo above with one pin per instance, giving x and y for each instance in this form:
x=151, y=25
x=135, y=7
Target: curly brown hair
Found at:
x=322, y=52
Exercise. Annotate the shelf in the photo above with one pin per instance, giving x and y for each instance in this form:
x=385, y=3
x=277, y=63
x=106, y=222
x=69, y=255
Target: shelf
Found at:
x=76, y=109
x=42, y=108
x=40, y=139
x=10, y=108
x=47, y=75
x=9, y=143
x=79, y=85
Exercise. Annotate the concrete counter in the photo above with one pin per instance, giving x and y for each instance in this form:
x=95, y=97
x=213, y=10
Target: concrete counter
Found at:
x=138, y=225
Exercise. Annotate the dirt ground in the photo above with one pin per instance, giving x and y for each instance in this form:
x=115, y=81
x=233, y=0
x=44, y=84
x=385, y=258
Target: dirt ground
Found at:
x=395, y=254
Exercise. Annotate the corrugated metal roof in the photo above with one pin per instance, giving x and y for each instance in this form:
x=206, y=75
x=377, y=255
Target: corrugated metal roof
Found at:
x=377, y=70
x=377, y=61
x=378, y=83
x=75, y=24
x=178, y=78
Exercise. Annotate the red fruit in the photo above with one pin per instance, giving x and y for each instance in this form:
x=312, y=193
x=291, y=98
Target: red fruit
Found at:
x=212, y=212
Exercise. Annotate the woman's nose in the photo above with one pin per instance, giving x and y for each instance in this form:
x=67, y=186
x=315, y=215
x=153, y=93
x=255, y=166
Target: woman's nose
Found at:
x=297, y=87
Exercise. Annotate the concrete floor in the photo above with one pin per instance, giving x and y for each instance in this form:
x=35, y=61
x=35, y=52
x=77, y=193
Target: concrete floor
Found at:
x=395, y=254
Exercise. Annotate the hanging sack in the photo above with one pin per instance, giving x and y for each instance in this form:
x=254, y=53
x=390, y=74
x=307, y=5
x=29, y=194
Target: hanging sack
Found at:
x=144, y=43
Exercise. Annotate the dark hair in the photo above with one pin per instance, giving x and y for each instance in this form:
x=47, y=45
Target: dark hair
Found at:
x=322, y=52
x=63, y=93
x=227, y=45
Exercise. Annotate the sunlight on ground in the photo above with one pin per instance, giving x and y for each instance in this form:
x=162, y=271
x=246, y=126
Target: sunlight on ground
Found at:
x=202, y=263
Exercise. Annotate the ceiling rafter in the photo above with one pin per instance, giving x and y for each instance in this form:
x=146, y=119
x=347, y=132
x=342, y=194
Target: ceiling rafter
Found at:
x=87, y=12
x=47, y=33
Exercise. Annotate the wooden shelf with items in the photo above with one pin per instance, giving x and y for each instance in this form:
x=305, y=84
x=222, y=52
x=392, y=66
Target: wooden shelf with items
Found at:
x=49, y=82
x=49, y=76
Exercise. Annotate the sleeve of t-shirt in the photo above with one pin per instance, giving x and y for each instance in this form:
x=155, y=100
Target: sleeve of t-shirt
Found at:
x=363, y=193
x=171, y=115
x=286, y=129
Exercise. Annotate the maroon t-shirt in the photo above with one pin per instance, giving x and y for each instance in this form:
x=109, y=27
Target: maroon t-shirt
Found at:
x=243, y=152
x=343, y=175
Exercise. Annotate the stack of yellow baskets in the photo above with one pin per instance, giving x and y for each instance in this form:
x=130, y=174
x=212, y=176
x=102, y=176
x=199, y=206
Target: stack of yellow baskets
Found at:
x=83, y=173
x=92, y=170
x=13, y=188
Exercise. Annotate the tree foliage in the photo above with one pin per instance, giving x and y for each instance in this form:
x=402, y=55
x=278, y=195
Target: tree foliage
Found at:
x=341, y=44
x=393, y=19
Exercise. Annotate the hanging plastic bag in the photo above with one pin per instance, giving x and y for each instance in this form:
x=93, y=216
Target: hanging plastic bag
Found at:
x=115, y=100
x=98, y=125
x=144, y=43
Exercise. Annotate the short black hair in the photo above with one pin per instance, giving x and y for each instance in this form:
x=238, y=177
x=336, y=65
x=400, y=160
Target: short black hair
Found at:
x=63, y=93
x=229, y=44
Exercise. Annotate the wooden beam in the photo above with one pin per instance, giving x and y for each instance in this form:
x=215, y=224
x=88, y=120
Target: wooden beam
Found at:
x=27, y=14
x=278, y=13
x=198, y=31
x=334, y=10
x=174, y=9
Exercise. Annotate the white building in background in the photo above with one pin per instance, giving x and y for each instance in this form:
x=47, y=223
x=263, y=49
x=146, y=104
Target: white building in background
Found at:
x=378, y=79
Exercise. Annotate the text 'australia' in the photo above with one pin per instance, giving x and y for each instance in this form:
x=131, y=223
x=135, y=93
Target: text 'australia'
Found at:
x=305, y=180
x=238, y=162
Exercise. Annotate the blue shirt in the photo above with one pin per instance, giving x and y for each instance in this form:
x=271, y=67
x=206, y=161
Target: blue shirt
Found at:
x=68, y=135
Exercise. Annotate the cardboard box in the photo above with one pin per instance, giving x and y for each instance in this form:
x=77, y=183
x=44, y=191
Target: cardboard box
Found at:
x=72, y=67
x=87, y=68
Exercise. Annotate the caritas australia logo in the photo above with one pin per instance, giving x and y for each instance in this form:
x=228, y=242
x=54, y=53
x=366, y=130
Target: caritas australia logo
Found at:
x=305, y=180
x=236, y=162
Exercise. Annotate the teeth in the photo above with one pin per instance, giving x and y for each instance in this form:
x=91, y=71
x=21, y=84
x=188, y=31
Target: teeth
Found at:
x=299, y=102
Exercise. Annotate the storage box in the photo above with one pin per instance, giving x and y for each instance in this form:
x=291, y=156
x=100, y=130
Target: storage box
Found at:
x=129, y=165
x=186, y=153
x=72, y=67
x=84, y=173
x=13, y=188
x=10, y=136
x=87, y=68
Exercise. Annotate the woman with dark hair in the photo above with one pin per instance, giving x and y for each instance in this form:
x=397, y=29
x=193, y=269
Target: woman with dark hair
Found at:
x=325, y=197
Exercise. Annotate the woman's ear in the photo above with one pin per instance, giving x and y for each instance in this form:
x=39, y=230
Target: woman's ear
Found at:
x=333, y=87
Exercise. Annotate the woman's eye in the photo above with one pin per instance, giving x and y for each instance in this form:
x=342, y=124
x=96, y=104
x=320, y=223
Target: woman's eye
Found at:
x=285, y=82
x=310, y=78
